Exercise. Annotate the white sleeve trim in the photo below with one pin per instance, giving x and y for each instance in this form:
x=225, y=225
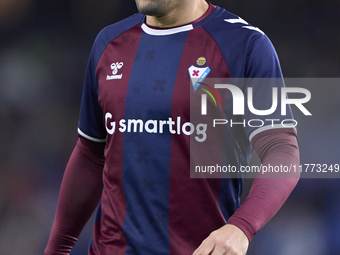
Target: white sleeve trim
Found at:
x=90, y=137
x=265, y=128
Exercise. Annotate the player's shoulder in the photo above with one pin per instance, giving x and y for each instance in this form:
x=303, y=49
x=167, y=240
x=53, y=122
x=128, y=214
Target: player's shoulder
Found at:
x=231, y=26
x=240, y=42
x=112, y=31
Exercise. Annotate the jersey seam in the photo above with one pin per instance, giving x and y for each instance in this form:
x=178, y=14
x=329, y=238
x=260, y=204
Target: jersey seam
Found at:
x=219, y=50
x=101, y=54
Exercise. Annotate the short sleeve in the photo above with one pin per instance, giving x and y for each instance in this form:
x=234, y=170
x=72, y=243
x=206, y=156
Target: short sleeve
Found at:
x=262, y=89
x=91, y=125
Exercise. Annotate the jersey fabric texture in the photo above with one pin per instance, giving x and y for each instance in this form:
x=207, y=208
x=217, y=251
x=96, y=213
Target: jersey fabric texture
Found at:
x=136, y=98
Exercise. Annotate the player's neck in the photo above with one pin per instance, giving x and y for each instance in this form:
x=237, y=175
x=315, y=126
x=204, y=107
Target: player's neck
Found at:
x=185, y=13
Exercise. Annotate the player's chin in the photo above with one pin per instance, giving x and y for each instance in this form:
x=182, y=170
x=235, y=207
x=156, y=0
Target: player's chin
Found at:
x=151, y=7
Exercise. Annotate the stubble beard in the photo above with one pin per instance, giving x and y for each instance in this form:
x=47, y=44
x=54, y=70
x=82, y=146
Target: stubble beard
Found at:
x=155, y=8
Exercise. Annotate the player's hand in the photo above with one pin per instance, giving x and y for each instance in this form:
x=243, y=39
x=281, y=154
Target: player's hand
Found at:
x=228, y=240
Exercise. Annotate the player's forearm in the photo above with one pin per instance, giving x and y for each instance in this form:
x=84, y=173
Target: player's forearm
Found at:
x=79, y=195
x=267, y=195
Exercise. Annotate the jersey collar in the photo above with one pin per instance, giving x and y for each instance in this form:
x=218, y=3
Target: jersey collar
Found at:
x=169, y=31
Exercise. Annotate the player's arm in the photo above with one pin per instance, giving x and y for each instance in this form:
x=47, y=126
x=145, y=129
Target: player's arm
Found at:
x=265, y=198
x=80, y=193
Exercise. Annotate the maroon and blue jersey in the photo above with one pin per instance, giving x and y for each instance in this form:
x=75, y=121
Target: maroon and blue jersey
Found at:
x=136, y=99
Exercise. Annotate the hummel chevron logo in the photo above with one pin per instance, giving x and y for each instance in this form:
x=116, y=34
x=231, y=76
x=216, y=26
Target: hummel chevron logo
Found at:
x=240, y=20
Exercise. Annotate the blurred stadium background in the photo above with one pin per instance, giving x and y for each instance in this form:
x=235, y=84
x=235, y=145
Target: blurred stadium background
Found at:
x=44, y=46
